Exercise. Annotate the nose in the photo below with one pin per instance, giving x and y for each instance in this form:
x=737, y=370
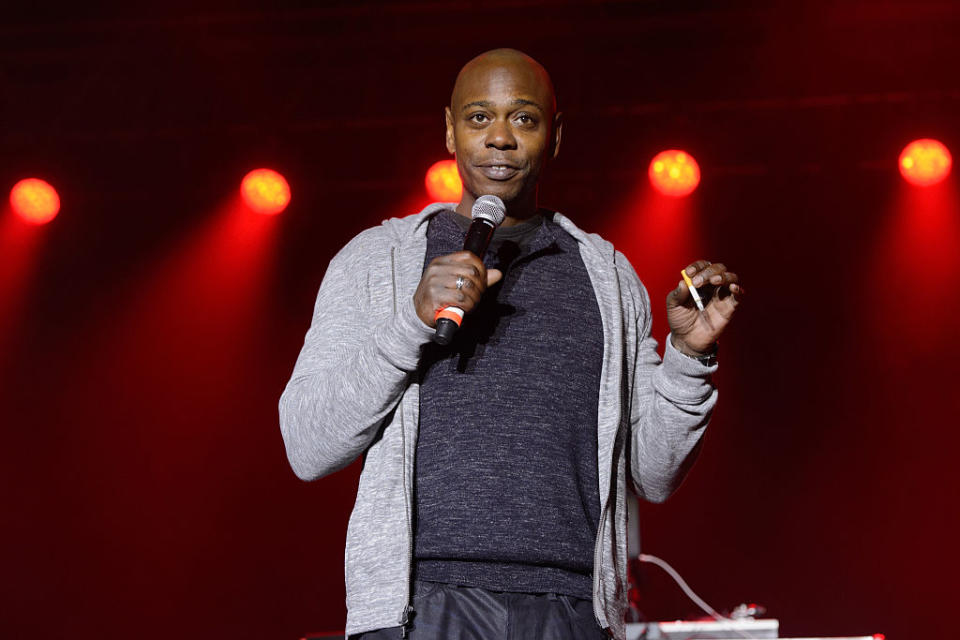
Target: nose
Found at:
x=499, y=136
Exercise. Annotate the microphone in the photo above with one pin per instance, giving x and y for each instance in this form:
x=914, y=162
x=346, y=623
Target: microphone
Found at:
x=487, y=212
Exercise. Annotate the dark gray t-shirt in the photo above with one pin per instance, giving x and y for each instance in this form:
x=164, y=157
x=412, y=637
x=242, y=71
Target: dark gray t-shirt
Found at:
x=506, y=485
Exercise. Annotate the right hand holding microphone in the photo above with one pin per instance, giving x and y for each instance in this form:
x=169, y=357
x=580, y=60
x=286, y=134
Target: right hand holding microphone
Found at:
x=438, y=286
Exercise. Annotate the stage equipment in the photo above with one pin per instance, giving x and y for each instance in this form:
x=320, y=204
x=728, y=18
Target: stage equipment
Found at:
x=35, y=200
x=674, y=173
x=741, y=623
x=704, y=629
x=443, y=181
x=265, y=191
x=711, y=630
x=925, y=162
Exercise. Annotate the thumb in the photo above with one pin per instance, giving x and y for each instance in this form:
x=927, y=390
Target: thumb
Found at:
x=493, y=276
x=679, y=295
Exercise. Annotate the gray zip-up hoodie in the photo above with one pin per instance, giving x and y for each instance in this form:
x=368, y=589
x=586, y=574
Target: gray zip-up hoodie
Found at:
x=353, y=392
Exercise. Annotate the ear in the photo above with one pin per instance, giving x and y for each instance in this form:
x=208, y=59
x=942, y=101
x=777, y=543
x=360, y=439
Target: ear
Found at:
x=557, y=134
x=451, y=140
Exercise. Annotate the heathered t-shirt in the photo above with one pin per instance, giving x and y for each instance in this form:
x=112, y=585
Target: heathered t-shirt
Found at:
x=506, y=484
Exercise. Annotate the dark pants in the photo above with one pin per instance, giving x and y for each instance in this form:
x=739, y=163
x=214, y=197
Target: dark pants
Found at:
x=449, y=612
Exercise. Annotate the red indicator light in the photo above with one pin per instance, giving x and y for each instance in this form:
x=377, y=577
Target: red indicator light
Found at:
x=925, y=162
x=674, y=173
x=443, y=181
x=265, y=191
x=35, y=201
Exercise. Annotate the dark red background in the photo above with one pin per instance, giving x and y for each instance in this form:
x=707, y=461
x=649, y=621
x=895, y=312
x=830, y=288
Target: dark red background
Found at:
x=148, y=331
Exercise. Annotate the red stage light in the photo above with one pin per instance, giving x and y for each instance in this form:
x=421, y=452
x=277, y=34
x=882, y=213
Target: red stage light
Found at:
x=443, y=181
x=265, y=191
x=674, y=173
x=35, y=201
x=925, y=162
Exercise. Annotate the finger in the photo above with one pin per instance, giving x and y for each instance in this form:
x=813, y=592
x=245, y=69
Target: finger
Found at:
x=460, y=278
x=459, y=259
x=724, y=308
x=726, y=285
x=724, y=280
x=680, y=295
x=477, y=270
x=696, y=267
x=450, y=270
x=469, y=295
x=733, y=293
x=470, y=280
x=730, y=292
x=714, y=273
x=464, y=298
x=466, y=257
x=709, y=274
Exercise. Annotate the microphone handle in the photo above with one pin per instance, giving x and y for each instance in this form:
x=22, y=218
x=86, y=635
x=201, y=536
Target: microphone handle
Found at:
x=478, y=237
x=446, y=328
x=476, y=242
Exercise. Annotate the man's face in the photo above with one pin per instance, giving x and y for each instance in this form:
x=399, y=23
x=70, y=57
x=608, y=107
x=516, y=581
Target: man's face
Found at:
x=501, y=127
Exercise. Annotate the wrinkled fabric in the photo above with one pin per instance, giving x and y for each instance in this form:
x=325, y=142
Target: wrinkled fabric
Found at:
x=352, y=393
x=450, y=612
x=506, y=476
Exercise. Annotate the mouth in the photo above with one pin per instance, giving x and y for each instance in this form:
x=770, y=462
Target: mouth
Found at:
x=496, y=171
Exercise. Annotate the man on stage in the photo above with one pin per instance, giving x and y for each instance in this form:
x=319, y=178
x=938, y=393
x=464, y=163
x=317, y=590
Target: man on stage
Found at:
x=492, y=498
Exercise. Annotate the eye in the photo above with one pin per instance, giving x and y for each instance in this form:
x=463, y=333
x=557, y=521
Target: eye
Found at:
x=526, y=119
x=479, y=118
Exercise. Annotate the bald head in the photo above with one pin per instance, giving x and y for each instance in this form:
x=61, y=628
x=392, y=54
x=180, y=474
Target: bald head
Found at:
x=499, y=65
x=503, y=127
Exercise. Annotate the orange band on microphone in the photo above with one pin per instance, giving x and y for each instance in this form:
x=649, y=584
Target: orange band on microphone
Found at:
x=450, y=313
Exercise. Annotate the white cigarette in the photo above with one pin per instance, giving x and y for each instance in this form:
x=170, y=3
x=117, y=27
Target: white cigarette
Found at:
x=693, y=289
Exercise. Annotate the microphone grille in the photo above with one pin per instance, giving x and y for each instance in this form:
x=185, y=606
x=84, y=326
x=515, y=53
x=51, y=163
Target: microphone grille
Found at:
x=489, y=208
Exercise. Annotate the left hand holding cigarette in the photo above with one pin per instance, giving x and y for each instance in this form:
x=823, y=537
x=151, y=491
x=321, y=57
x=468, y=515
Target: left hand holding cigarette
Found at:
x=695, y=332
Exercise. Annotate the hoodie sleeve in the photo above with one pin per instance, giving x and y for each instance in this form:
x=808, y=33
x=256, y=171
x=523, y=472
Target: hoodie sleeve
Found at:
x=670, y=401
x=356, y=359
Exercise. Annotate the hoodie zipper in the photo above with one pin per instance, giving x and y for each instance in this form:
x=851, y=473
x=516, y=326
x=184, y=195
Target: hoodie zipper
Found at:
x=408, y=607
x=597, y=560
x=408, y=500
